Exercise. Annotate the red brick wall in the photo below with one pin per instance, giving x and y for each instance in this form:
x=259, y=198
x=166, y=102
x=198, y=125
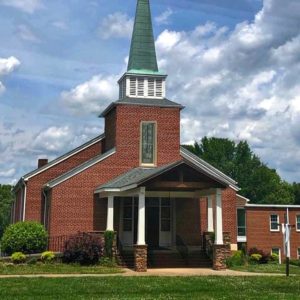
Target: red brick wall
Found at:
x=110, y=130
x=188, y=221
x=34, y=184
x=129, y=118
x=75, y=212
x=230, y=213
x=259, y=234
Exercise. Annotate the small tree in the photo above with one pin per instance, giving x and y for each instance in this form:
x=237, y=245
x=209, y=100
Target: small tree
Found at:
x=25, y=237
x=83, y=248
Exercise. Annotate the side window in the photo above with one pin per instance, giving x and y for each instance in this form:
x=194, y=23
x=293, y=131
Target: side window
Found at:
x=274, y=223
x=241, y=221
x=298, y=222
x=148, y=143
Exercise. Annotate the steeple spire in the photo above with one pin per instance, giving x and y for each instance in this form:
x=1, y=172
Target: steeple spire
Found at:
x=142, y=52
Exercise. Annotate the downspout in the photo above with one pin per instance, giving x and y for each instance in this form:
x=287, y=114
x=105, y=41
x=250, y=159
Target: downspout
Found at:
x=45, y=206
x=24, y=199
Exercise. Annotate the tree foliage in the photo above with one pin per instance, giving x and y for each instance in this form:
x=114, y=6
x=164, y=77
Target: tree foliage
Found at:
x=6, y=199
x=257, y=181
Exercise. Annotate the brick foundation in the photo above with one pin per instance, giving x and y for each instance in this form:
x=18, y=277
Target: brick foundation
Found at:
x=140, y=258
x=220, y=254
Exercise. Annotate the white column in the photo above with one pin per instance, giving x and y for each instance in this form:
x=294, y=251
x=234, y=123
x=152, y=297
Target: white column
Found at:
x=141, y=218
x=110, y=213
x=219, y=219
x=210, y=214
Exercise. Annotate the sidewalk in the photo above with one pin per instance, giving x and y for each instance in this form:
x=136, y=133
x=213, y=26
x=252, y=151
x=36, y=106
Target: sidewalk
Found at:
x=151, y=272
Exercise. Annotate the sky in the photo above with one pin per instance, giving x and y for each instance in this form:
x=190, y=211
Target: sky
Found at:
x=235, y=65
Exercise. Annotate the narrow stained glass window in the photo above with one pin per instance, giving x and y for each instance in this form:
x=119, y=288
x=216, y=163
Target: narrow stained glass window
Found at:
x=148, y=143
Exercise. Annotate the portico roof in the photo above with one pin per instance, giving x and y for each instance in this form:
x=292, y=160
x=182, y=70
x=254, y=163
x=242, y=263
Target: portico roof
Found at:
x=137, y=176
x=133, y=178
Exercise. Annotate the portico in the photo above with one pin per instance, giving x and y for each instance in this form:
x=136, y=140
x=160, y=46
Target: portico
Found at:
x=150, y=201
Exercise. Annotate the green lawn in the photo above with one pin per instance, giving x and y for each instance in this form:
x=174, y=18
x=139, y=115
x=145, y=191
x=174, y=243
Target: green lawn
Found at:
x=268, y=268
x=55, y=269
x=152, y=288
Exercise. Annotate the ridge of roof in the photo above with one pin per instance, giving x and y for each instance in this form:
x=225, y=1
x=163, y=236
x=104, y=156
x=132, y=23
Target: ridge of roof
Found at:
x=208, y=167
x=52, y=183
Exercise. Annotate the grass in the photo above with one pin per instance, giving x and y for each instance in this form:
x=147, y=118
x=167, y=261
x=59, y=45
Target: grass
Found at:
x=267, y=268
x=151, y=288
x=7, y=269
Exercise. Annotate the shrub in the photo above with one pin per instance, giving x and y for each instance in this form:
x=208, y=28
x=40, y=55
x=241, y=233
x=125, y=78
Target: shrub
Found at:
x=18, y=258
x=295, y=262
x=83, y=248
x=274, y=258
x=47, y=257
x=107, y=262
x=26, y=237
x=109, y=241
x=237, y=259
x=264, y=257
x=255, y=258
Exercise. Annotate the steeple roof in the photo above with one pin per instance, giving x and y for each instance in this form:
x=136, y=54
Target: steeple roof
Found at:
x=142, y=52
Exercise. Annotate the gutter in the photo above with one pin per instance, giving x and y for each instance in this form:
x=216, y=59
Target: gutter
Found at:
x=24, y=199
x=45, y=206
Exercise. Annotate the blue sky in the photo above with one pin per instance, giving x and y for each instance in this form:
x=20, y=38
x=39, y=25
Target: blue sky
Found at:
x=236, y=70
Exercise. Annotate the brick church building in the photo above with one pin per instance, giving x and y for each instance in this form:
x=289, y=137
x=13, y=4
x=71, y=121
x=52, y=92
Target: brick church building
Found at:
x=163, y=202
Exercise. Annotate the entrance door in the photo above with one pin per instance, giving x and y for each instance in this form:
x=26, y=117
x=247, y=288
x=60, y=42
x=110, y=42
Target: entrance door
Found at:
x=152, y=223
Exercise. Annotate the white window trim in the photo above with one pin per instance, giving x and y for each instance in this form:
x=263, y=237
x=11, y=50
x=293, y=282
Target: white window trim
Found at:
x=278, y=221
x=297, y=229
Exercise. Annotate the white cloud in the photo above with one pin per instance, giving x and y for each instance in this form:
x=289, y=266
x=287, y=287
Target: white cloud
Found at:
x=28, y=6
x=60, y=25
x=91, y=96
x=117, y=25
x=241, y=84
x=2, y=88
x=7, y=65
x=164, y=18
x=7, y=173
x=26, y=34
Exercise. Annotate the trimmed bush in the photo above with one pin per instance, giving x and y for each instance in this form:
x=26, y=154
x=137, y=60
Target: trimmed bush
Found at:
x=83, y=248
x=255, y=258
x=274, y=258
x=18, y=258
x=108, y=243
x=237, y=259
x=25, y=237
x=47, y=257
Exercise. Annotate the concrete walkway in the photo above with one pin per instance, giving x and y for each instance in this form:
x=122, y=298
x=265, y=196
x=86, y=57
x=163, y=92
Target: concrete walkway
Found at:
x=151, y=272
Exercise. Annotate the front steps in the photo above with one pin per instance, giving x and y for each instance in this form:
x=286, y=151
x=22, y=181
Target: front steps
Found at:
x=167, y=259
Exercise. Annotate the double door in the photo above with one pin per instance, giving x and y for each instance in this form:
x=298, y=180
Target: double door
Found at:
x=159, y=221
